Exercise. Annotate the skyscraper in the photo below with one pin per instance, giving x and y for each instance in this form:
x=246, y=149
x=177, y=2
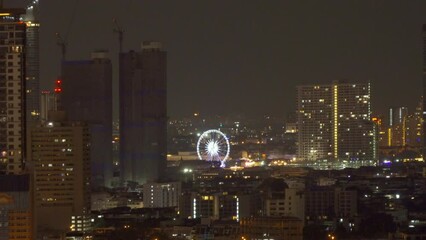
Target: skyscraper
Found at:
x=32, y=64
x=397, y=115
x=424, y=92
x=334, y=122
x=12, y=90
x=58, y=151
x=86, y=95
x=413, y=125
x=143, y=113
x=48, y=102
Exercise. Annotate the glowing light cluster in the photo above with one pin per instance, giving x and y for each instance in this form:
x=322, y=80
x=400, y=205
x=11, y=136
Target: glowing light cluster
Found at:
x=58, y=87
x=213, y=145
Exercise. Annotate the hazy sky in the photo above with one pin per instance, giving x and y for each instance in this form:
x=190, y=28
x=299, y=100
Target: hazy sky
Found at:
x=245, y=56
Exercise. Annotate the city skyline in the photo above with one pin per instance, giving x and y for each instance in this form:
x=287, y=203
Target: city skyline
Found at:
x=286, y=91
x=269, y=48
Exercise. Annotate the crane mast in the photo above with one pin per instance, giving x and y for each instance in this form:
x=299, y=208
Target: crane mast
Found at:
x=62, y=44
x=120, y=33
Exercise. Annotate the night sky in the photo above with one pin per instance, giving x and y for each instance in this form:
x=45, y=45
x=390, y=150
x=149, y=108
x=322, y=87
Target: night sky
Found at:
x=248, y=56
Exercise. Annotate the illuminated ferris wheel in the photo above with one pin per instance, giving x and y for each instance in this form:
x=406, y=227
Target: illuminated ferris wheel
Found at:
x=213, y=145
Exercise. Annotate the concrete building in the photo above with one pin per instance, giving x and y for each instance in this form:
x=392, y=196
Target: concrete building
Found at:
x=86, y=95
x=16, y=208
x=58, y=151
x=406, y=129
x=279, y=228
x=326, y=203
x=413, y=132
x=214, y=206
x=161, y=195
x=49, y=102
x=143, y=113
x=291, y=205
x=32, y=64
x=424, y=92
x=12, y=91
x=334, y=122
x=397, y=115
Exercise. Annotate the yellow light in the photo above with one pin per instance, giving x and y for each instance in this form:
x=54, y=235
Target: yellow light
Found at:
x=4, y=14
x=335, y=122
x=403, y=132
x=389, y=137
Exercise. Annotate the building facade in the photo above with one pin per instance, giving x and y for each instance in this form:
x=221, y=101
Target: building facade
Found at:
x=161, y=195
x=424, y=92
x=334, y=123
x=291, y=205
x=58, y=151
x=397, y=115
x=16, y=207
x=32, y=64
x=279, y=228
x=12, y=91
x=143, y=113
x=330, y=202
x=49, y=103
x=86, y=95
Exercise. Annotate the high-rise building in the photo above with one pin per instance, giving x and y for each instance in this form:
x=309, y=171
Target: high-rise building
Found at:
x=86, y=95
x=408, y=132
x=12, y=90
x=397, y=115
x=58, y=151
x=143, y=113
x=424, y=92
x=334, y=122
x=413, y=125
x=32, y=64
x=48, y=102
x=16, y=207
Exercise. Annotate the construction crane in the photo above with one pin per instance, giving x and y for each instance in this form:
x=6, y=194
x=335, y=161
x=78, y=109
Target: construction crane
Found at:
x=62, y=41
x=63, y=44
x=120, y=33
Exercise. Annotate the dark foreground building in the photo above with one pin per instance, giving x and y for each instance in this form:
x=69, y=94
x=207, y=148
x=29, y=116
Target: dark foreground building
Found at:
x=424, y=91
x=16, y=210
x=143, y=113
x=86, y=95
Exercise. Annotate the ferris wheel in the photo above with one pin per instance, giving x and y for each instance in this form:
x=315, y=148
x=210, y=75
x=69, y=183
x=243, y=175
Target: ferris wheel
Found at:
x=213, y=145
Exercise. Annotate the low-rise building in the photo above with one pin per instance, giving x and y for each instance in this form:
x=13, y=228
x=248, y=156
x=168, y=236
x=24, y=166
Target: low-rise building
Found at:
x=278, y=228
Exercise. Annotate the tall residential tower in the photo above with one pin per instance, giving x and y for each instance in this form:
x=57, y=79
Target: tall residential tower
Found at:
x=12, y=90
x=334, y=122
x=32, y=64
x=143, y=113
x=424, y=92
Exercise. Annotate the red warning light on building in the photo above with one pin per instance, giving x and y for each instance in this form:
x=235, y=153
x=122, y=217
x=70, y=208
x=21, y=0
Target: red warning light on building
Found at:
x=58, y=86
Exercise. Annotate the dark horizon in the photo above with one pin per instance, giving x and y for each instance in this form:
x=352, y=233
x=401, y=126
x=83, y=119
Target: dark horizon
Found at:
x=248, y=57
